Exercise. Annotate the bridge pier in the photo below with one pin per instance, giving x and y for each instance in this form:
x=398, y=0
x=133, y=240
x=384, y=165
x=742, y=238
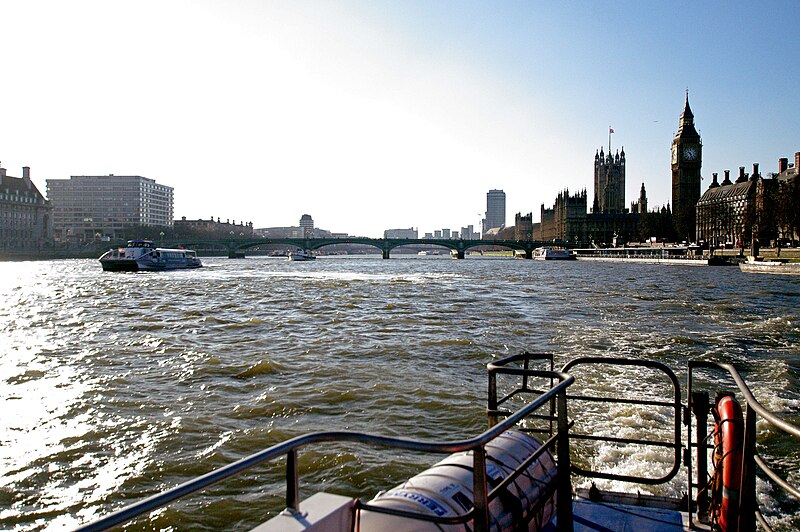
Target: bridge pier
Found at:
x=385, y=253
x=460, y=254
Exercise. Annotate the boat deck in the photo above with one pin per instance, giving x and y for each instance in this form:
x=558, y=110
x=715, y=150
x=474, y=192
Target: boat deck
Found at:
x=604, y=516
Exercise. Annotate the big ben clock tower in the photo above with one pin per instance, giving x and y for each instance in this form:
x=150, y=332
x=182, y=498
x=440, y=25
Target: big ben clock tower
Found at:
x=687, y=159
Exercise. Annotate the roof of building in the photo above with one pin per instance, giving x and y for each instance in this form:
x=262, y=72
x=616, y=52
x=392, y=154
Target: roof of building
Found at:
x=20, y=186
x=686, y=125
x=786, y=175
x=735, y=190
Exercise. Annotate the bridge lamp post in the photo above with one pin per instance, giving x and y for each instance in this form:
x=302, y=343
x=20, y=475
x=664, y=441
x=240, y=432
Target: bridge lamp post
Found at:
x=161, y=234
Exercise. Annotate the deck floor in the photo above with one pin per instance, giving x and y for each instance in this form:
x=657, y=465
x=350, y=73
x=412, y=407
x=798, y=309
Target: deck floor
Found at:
x=607, y=517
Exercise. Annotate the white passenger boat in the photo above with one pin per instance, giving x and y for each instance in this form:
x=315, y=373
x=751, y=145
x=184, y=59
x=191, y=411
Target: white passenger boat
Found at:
x=524, y=471
x=168, y=259
x=143, y=255
x=302, y=255
x=548, y=253
x=780, y=267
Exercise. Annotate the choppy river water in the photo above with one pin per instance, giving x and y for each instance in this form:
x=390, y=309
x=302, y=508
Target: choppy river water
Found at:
x=115, y=386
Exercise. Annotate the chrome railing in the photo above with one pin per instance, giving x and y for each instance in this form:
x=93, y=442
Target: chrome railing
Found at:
x=479, y=513
x=749, y=509
x=673, y=403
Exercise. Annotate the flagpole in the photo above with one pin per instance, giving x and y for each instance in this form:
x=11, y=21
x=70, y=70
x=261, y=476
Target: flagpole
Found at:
x=609, y=140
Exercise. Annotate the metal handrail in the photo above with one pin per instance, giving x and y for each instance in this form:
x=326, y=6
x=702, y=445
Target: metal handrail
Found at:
x=785, y=426
x=749, y=510
x=291, y=446
x=502, y=367
x=675, y=404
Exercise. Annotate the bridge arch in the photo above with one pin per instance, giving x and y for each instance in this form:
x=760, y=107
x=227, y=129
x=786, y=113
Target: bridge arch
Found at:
x=237, y=247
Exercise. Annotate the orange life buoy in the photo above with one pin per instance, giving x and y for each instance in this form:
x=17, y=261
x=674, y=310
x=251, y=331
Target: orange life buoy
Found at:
x=728, y=445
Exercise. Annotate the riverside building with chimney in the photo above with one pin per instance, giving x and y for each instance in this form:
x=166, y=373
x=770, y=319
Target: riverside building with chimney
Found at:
x=732, y=213
x=25, y=215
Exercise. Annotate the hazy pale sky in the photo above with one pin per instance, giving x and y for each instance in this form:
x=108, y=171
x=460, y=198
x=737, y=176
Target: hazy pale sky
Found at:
x=370, y=115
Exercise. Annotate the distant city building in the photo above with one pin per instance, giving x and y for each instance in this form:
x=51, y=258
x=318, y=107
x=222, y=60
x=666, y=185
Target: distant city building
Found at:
x=446, y=234
x=495, y=210
x=469, y=233
x=88, y=207
x=609, y=182
x=212, y=229
x=437, y=233
x=687, y=161
x=25, y=215
x=307, y=226
x=523, y=227
x=295, y=232
x=401, y=233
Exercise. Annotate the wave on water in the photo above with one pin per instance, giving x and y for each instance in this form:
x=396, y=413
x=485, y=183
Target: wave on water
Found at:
x=262, y=367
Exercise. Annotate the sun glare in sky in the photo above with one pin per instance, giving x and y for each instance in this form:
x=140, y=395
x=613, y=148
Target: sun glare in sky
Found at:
x=378, y=115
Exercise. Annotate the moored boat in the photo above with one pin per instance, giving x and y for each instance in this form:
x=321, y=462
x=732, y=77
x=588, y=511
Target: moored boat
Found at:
x=548, y=253
x=779, y=267
x=301, y=255
x=522, y=473
x=143, y=255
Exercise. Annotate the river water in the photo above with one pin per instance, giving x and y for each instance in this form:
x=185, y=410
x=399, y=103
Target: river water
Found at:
x=116, y=386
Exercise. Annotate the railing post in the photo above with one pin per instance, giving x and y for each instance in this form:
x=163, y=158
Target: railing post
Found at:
x=292, y=482
x=564, y=486
x=480, y=494
x=700, y=409
x=491, y=393
x=747, y=490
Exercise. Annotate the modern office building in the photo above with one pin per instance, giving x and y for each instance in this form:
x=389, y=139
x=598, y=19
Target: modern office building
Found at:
x=86, y=208
x=469, y=233
x=25, y=215
x=495, y=210
x=307, y=226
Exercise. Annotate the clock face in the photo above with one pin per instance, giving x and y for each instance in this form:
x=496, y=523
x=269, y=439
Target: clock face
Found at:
x=690, y=153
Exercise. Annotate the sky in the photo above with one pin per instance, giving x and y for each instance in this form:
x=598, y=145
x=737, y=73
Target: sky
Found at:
x=373, y=115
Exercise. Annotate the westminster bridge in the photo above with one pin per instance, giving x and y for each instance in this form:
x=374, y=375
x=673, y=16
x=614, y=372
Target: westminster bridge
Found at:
x=238, y=247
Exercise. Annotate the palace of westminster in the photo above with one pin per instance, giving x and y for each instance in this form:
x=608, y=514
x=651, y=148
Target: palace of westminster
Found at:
x=730, y=212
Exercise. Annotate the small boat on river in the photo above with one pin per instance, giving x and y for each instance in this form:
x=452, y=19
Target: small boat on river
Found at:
x=143, y=255
x=548, y=253
x=302, y=255
x=533, y=468
x=779, y=267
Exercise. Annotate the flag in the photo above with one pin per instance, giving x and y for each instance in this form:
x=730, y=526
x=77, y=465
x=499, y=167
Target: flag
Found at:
x=610, y=131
